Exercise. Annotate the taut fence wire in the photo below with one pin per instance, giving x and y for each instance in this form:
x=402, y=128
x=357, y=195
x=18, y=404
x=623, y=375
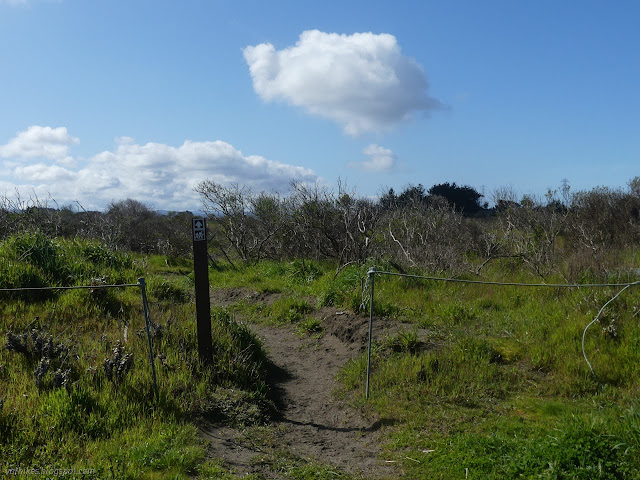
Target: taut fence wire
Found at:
x=510, y=284
x=370, y=281
x=79, y=287
x=147, y=319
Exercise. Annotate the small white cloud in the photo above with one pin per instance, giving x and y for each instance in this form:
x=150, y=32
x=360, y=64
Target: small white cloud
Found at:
x=380, y=159
x=39, y=142
x=124, y=141
x=361, y=81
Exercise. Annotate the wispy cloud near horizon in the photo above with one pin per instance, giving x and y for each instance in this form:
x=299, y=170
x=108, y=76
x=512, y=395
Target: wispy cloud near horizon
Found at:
x=37, y=160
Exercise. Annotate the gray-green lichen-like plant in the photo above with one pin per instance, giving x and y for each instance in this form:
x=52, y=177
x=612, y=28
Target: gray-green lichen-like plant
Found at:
x=54, y=367
x=118, y=364
x=41, y=370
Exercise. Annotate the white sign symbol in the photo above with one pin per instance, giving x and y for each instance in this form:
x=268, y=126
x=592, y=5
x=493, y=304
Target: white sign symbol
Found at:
x=198, y=230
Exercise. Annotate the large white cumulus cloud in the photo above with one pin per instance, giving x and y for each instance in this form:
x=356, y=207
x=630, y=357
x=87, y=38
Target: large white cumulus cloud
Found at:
x=160, y=174
x=362, y=81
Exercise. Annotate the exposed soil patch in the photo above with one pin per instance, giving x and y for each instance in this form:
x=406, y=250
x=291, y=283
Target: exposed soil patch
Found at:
x=228, y=296
x=352, y=329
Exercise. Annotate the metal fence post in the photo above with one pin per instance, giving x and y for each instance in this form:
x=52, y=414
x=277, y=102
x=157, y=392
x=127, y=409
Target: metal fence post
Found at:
x=147, y=321
x=372, y=274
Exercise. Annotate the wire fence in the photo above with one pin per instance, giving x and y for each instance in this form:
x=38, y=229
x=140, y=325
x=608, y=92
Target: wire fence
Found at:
x=508, y=284
x=145, y=306
x=78, y=287
x=368, y=296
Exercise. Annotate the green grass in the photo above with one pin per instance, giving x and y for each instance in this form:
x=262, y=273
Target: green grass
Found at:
x=495, y=384
x=77, y=384
x=481, y=382
x=504, y=391
x=576, y=443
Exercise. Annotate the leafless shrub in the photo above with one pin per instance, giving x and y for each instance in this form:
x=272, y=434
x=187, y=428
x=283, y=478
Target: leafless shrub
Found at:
x=488, y=242
x=531, y=229
x=36, y=343
x=243, y=224
x=634, y=187
x=41, y=370
x=603, y=218
x=330, y=226
x=270, y=219
x=19, y=214
x=602, y=223
x=62, y=378
x=316, y=223
x=429, y=235
x=311, y=223
x=359, y=220
x=156, y=330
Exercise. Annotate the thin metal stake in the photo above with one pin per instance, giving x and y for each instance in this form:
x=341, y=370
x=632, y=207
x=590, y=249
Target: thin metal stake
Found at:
x=371, y=273
x=147, y=321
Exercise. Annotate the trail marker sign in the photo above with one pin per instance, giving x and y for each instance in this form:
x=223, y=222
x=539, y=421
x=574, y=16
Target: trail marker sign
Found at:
x=199, y=230
x=201, y=278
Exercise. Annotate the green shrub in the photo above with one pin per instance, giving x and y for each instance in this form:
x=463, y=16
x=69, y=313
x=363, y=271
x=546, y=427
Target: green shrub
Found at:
x=238, y=356
x=406, y=341
x=77, y=411
x=455, y=313
x=310, y=326
x=168, y=290
x=99, y=254
x=576, y=448
x=287, y=310
x=23, y=275
x=304, y=271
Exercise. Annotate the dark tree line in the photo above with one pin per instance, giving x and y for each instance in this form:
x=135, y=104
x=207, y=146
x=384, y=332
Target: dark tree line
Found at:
x=463, y=199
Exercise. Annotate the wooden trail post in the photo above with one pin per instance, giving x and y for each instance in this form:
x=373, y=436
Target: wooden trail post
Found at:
x=201, y=277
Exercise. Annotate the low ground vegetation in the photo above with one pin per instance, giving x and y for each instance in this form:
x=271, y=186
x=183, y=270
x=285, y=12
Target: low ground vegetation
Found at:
x=479, y=382
x=75, y=372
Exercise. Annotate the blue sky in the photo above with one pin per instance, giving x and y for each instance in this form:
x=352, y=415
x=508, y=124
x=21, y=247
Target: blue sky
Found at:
x=104, y=100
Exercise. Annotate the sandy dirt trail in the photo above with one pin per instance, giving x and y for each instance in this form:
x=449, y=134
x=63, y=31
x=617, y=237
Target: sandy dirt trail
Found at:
x=312, y=423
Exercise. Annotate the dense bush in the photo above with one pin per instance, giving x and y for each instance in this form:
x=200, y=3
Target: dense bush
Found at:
x=126, y=225
x=37, y=260
x=445, y=228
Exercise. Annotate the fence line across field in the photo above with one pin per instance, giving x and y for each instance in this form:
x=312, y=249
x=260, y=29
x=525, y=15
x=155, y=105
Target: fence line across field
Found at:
x=508, y=284
x=370, y=281
x=78, y=287
x=145, y=306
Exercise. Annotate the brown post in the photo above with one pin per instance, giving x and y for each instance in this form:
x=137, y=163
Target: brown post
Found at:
x=201, y=277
